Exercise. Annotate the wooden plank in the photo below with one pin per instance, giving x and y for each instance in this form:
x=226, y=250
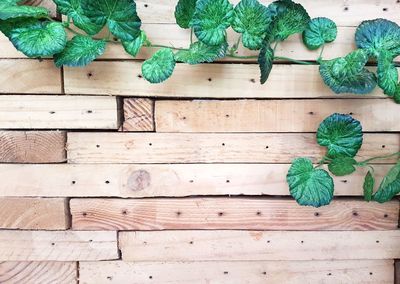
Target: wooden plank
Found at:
x=34, y=213
x=43, y=112
x=138, y=115
x=29, y=76
x=69, y=180
x=271, y=115
x=257, y=272
x=209, y=148
x=32, y=146
x=57, y=246
x=258, y=245
x=38, y=272
x=229, y=214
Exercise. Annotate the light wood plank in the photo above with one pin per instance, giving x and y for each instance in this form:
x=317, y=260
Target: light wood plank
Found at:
x=258, y=245
x=34, y=213
x=254, y=272
x=32, y=146
x=57, y=246
x=229, y=214
x=209, y=148
x=29, y=76
x=138, y=115
x=38, y=272
x=44, y=112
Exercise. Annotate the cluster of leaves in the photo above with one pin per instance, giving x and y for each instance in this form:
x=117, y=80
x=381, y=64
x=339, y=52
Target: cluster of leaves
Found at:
x=342, y=136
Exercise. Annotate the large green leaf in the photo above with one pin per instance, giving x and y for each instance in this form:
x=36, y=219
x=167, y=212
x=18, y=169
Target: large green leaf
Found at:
x=251, y=20
x=184, y=11
x=10, y=10
x=390, y=185
x=341, y=134
x=133, y=47
x=211, y=19
x=80, y=51
x=309, y=186
x=7, y=26
x=388, y=76
x=368, y=186
x=39, y=39
x=265, y=61
x=342, y=166
x=318, y=32
x=159, y=67
x=119, y=15
x=200, y=52
x=348, y=74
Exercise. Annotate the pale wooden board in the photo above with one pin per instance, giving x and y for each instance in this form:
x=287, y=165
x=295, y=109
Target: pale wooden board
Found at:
x=70, y=180
x=32, y=146
x=57, y=246
x=44, y=112
x=258, y=245
x=254, y=272
x=138, y=115
x=33, y=213
x=209, y=148
x=38, y=272
x=229, y=213
x=29, y=76
x=271, y=115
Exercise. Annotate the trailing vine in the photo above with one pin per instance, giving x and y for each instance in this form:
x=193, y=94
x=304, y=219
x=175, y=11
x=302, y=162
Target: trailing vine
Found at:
x=261, y=28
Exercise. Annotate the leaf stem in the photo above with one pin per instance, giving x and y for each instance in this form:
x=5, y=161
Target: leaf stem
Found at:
x=191, y=36
x=293, y=60
x=365, y=162
x=166, y=46
x=320, y=54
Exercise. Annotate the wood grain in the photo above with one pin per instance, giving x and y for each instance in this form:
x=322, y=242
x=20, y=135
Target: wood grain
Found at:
x=209, y=148
x=229, y=214
x=138, y=115
x=258, y=245
x=32, y=146
x=57, y=246
x=38, y=272
x=33, y=213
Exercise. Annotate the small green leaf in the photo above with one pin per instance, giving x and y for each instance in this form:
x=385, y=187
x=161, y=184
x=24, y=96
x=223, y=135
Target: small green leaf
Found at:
x=39, y=39
x=390, y=185
x=387, y=73
x=309, y=186
x=341, y=134
x=184, y=11
x=133, y=47
x=80, y=51
x=159, y=67
x=265, y=61
x=10, y=10
x=200, y=52
x=211, y=19
x=342, y=166
x=318, y=32
x=369, y=183
x=396, y=96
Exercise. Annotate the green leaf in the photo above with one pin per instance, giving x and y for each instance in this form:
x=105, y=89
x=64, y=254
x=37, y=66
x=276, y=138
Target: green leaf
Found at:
x=387, y=73
x=251, y=19
x=265, y=61
x=211, y=19
x=379, y=35
x=7, y=26
x=309, y=186
x=159, y=67
x=119, y=15
x=342, y=166
x=348, y=74
x=10, y=10
x=318, y=32
x=368, y=186
x=390, y=185
x=184, y=11
x=39, y=39
x=133, y=47
x=396, y=96
x=80, y=51
x=200, y=52
x=341, y=134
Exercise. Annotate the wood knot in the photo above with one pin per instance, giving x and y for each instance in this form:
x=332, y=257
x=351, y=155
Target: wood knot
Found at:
x=139, y=180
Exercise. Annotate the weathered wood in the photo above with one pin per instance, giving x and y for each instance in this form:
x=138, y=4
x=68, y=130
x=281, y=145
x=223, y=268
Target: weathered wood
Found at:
x=271, y=115
x=229, y=213
x=256, y=272
x=32, y=146
x=44, y=112
x=57, y=246
x=258, y=245
x=138, y=115
x=38, y=272
x=209, y=148
x=33, y=213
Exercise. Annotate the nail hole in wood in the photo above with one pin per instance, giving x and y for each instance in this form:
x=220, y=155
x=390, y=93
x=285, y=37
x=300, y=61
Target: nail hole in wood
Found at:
x=227, y=115
x=90, y=241
x=377, y=241
x=150, y=277
x=107, y=182
x=52, y=112
x=90, y=74
x=225, y=272
x=329, y=274
x=220, y=214
x=146, y=5
x=109, y=278
x=97, y=146
x=370, y=273
x=124, y=212
x=316, y=214
x=209, y=79
x=191, y=181
x=302, y=242
x=53, y=244
x=344, y=181
x=266, y=147
x=73, y=182
x=223, y=144
x=383, y=146
x=258, y=213
x=351, y=113
x=311, y=113
x=268, y=241
x=252, y=80
x=84, y=214
x=228, y=181
x=139, y=76
x=184, y=117
x=346, y=8
x=191, y=242
x=89, y=111
x=264, y=272
x=384, y=9
x=355, y=214
x=150, y=144
x=178, y=213
x=385, y=216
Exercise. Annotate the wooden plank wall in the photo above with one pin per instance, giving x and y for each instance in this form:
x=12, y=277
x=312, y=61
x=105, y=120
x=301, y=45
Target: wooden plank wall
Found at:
x=108, y=179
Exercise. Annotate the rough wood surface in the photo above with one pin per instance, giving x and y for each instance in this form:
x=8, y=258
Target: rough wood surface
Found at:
x=57, y=246
x=209, y=148
x=258, y=245
x=32, y=146
x=33, y=213
x=138, y=115
x=38, y=272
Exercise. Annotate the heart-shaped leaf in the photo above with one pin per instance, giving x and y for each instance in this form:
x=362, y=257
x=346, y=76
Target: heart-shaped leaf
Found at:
x=318, y=32
x=133, y=47
x=388, y=76
x=265, y=61
x=342, y=166
x=184, y=11
x=159, y=67
x=390, y=185
x=368, y=186
x=10, y=10
x=200, y=52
